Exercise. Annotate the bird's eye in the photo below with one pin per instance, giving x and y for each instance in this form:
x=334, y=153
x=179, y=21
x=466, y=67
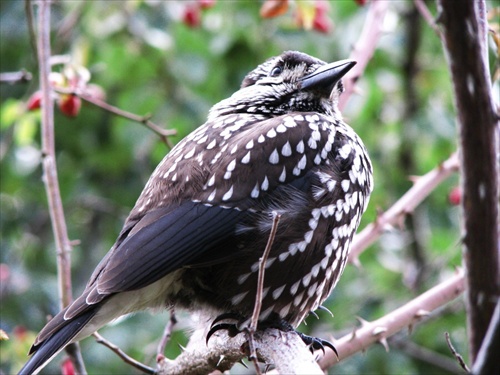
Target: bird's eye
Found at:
x=276, y=71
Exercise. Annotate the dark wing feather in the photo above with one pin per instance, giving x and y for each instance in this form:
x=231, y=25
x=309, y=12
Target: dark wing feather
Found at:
x=174, y=239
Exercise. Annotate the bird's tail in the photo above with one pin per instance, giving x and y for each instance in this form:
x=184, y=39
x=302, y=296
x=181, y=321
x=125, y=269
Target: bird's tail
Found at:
x=56, y=342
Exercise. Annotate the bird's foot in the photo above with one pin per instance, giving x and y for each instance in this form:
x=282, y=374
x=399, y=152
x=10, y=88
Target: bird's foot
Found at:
x=315, y=343
x=232, y=328
x=241, y=325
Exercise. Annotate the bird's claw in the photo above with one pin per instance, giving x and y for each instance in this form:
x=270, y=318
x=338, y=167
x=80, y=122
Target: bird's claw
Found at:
x=232, y=328
x=315, y=343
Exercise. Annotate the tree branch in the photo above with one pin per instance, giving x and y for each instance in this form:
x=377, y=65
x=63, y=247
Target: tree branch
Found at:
x=63, y=244
x=405, y=316
x=11, y=78
x=423, y=186
x=464, y=34
x=144, y=120
x=285, y=350
x=364, y=47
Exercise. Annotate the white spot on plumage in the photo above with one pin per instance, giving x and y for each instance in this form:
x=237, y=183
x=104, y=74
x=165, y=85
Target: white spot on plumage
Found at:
x=294, y=288
x=298, y=299
x=212, y=144
x=312, y=289
x=277, y=292
x=274, y=157
x=242, y=278
x=271, y=133
x=234, y=149
x=246, y=158
x=283, y=256
x=211, y=181
x=249, y=145
x=312, y=143
x=308, y=236
x=302, y=163
x=261, y=139
x=306, y=279
x=282, y=177
x=300, y=147
x=255, y=191
x=281, y=128
x=345, y=185
x=212, y=195
x=231, y=165
x=265, y=184
x=284, y=311
x=287, y=149
x=228, y=194
x=345, y=150
x=238, y=298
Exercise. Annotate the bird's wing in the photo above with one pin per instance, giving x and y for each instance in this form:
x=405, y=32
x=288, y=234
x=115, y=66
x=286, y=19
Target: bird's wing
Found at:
x=171, y=240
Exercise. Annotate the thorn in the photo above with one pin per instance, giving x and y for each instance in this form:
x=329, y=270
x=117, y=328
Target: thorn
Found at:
x=363, y=322
x=421, y=313
x=182, y=347
x=384, y=343
x=355, y=262
x=378, y=330
x=353, y=334
x=321, y=307
x=414, y=179
x=221, y=358
x=243, y=363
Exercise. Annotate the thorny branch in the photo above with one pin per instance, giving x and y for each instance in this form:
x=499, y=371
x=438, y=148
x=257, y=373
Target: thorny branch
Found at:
x=63, y=244
x=405, y=316
x=365, y=47
x=422, y=187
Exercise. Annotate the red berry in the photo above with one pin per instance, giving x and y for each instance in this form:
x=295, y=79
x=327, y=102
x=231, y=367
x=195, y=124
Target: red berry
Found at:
x=67, y=367
x=205, y=4
x=70, y=105
x=455, y=196
x=35, y=101
x=322, y=23
x=191, y=16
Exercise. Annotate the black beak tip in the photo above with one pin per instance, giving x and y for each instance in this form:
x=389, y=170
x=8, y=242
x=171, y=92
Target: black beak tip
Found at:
x=327, y=76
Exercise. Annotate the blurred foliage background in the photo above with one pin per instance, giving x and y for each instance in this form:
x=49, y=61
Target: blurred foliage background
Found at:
x=174, y=60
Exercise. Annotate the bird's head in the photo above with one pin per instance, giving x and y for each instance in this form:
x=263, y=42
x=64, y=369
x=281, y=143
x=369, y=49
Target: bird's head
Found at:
x=290, y=82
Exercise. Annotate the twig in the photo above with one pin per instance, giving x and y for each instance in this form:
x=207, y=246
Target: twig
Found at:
x=167, y=333
x=365, y=47
x=423, y=186
x=11, y=78
x=427, y=16
x=63, y=244
x=424, y=354
x=126, y=358
x=456, y=354
x=405, y=316
x=252, y=328
x=144, y=120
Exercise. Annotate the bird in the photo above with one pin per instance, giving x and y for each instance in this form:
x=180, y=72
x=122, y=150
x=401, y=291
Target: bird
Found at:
x=193, y=240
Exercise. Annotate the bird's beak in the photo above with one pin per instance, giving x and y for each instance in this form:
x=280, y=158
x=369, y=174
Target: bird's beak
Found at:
x=326, y=77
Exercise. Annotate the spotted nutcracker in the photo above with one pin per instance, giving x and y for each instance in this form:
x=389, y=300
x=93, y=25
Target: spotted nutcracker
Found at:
x=195, y=236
